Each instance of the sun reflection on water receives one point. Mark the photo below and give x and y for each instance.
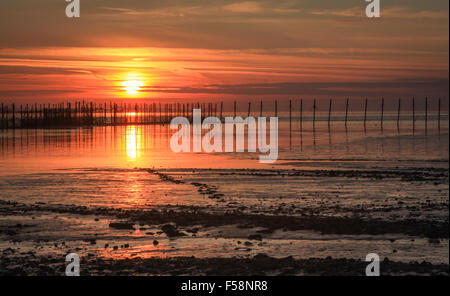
(133, 143)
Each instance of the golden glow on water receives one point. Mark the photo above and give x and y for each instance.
(146, 146)
(133, 143)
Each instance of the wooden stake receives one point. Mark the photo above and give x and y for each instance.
(314, 113)
(260, 108)
(301, 114)
(329, 112)
(290, 116)
(3, 115)
(13, 115)
(365, 112)
(439, 114)
(426, 112)
(346, 112)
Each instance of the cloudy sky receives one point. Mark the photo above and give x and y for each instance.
(223, 49)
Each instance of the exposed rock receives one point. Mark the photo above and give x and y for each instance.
(255, 237)
(121, 225)
(171, 231)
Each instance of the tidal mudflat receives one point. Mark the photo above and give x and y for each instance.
(117, 197)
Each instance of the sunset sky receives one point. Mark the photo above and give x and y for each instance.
(222, 49)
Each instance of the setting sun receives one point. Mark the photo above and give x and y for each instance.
(246, 145)
(132, 87)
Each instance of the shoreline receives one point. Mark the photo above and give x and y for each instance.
(195, 216)
(259, 265)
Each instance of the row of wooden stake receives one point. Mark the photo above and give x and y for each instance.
(93, 114)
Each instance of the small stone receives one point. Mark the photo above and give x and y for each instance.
(171, 231)
(255, 237)
(121, 225)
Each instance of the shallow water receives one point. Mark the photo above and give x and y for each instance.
(107, 167)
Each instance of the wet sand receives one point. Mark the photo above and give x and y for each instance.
(261, 265)
(119, 241)
(116, 197)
